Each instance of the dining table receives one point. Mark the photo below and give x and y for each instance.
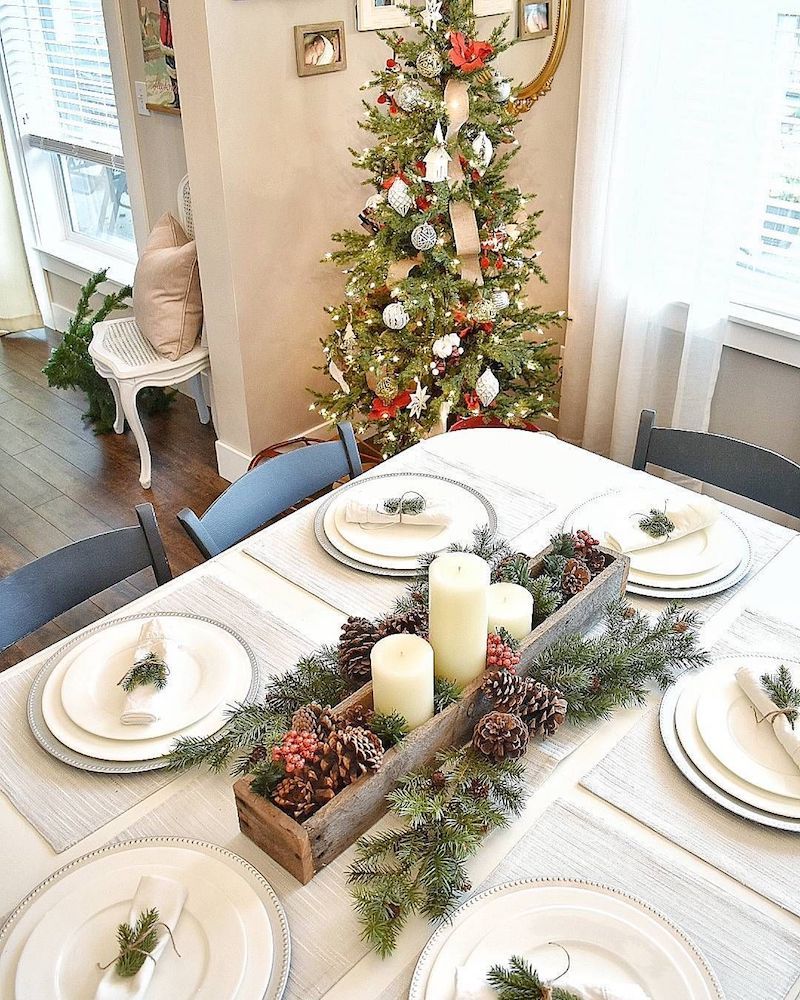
(678, 868)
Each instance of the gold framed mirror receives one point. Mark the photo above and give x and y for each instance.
(529, 94)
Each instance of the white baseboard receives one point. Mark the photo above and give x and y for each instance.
(231, 462)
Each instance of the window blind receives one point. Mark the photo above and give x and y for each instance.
(56, 57)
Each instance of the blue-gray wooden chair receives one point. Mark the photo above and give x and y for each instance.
(35, 594)
(270, 489)
(736, 466)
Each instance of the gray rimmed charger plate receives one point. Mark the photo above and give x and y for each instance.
(46, 739)
(690, 771)
(330, 548)
(279, 975)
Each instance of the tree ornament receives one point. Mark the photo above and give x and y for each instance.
(387, 387)
(487, 387)
(444, 346)
(408, 96)
(502, 87)
(395, 316)
(387, 410)
(432, 14)
(423, 237)
(472, 403)
(483, 311)
(501, 736)
(399, 197)
(483, 149)
(419, 400)
(437, 158)
(467, 55)
(429, 63)
(501, 298)
(337, 375)
(358, 637)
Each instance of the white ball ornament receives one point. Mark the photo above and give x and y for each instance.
(484, 311)
(483, 149)
(408, 96)
(399, 197)
(429, 63)
(502, 88)
(423, 237)
(374, 201)
(501, 298)
(487, 387)
(446, 345)
(395, 316)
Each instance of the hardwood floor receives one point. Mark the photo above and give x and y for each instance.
(59, 482)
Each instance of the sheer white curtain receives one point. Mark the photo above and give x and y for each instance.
(674, 98)
(18, 308)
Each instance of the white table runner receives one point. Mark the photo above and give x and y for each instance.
(639, 777)
(567, 842)
(65, 804)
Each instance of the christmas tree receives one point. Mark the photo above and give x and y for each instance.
(435, 324)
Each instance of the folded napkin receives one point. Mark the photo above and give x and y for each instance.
(472, 985)
(394, 510)
(749, 680)
(142, 705)
(168, 897)
(688, 514)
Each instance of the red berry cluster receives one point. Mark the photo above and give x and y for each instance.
(584, 543)
(296, 750)
(499, 653)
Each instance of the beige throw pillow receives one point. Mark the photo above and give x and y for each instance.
(166, 290)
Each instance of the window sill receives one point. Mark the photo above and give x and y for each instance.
(77, 263)
(765, 334)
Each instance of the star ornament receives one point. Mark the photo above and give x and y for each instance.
(432, 14)
(419, 401)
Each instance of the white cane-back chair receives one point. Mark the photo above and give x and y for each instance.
(129, 362)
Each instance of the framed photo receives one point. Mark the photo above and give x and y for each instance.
(320, 48)
(372, 15)
(161, 78)
(535, 19)
(483, 8)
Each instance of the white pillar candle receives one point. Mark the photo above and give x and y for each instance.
(511, 608)
(402, 678)
(459, 615)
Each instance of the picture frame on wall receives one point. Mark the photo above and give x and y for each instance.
(377, 15)
(320, 48)
(160, 74)
(535, 20)
(484, 8)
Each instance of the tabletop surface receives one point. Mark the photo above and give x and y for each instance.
(565, 476)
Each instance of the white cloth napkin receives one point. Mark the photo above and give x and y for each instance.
(360, 512)
(142, 705)
(168, 897)
(749, 680)
(688, 514)
(471, 985)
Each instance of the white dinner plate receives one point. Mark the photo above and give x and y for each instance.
(705, 761)
(240, 675)
(233, 879)
(729, 728)
(198, 680)
(61, 957)
(407, 564)
(728, 564)
(610, 937)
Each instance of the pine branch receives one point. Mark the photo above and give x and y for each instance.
(149, 670)
(445, 693)
(781, 689)
(136, 943)
(520, 981)
(315, 678)
(390, 728)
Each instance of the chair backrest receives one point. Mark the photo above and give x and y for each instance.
(185, 207)
(52, 584)
(269, 490)
(736, 466)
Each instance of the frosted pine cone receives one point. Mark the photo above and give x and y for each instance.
(358, 637)
(501, 736)
(412, 622)
(575, 577)
(295, 796)
(505, 689)
(543, 710)
(313, 718)
(349, 753)
(355, 715)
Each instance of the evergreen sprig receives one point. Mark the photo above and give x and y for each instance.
(247, 726)
(420, 868)
(315, 678)
(656, 524)
(137, 942)
(150, 669)
(520, 981)
(781, 689)
(445, 692)
(390, 728)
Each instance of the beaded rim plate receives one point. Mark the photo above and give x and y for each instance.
(431, 949)
(279, 975)
(57, 749)
(330, 548)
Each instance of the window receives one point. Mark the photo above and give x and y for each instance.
(768, 265)
(58, 78)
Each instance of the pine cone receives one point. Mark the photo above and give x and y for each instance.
(541, 709)
(313, 718)
(501, 736)
(575, 577)
(349, 753)
(295, 796)
(505, 690)
(411, 622)
(355, 715)
(595, 560)
(358, 637)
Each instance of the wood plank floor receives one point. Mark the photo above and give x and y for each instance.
(59, 482)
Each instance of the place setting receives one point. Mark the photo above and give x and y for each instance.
(167, 918)
(681, 545)
(732, 729)
(116, 699)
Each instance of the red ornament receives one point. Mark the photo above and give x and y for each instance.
(467, 55)
(421, 169)
(472, 403)
(390, 180)
(423, 204)
(499, 263)
(393, 109)
(381, 410)
(382, 98)
(391, 63)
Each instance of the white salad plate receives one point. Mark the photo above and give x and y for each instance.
(330, 526)
(198, 653)
(67, 742)
(610, 937)
(232, 934)
(724, 568)
(730, 729)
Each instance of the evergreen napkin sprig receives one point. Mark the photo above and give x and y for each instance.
(137, 942)
(656, 524)
(149, 669)
(411, 504)
(783, 692)
(520, 981)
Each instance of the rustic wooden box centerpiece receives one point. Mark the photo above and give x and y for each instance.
(305, 848)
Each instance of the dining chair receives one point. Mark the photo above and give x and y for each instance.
(36, 593)
(270, 489)
(730, 464)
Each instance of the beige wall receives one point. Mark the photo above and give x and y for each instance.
(271, 179)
